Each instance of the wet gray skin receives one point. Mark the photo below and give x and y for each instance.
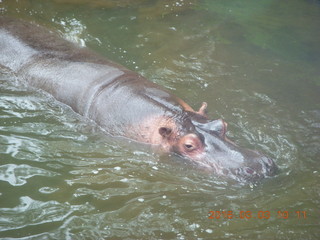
(123, 103)
(226, 158)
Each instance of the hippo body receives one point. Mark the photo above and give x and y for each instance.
(123, 102)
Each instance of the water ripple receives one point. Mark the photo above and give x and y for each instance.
(33, 212)
(17, 175)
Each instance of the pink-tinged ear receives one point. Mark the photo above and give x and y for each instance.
(165, 132)
(202, 109)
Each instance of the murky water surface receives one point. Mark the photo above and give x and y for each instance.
(256, 63)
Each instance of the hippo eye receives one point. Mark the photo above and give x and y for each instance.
(189, 146)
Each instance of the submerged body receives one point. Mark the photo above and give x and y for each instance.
(122, 102)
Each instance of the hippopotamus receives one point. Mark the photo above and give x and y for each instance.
(124, 103)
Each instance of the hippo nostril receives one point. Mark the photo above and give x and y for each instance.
(245, 171)
(249, 171)
(269, 166)
(270, 162)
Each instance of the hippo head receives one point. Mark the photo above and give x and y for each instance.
(204, 143)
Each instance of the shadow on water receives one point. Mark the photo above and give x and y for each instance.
(256, 63)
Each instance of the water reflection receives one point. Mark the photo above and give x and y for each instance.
(31, 212)
(17, 175)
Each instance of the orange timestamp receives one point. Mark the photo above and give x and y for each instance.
(256, 215)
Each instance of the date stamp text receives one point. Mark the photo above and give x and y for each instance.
(257, 214)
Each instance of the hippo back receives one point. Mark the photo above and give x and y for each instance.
(108, 93)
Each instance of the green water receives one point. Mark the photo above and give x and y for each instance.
(256, 63)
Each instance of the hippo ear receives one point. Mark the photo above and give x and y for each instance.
(203, 109)
(165, 131)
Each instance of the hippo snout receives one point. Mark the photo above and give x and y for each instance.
(256, 169)
(210, 149)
